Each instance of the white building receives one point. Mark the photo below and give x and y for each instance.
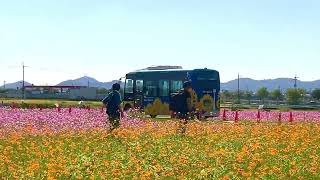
(83, 93)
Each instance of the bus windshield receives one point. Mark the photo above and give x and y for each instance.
(208, 84)
(207, 76)
(208, 80)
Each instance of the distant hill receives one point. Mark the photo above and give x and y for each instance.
(16, 85)
(85, 81)
(245, 84)
(271, 84)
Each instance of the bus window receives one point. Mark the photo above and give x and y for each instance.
(139, 86)
(151, 88)
(129, 86)
(163, 88)
(176, 86)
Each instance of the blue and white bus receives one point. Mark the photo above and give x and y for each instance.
(145, 86)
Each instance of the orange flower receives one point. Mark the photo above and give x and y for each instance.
(34, 166)
(273, 151)
(226, 177)
(116, 172)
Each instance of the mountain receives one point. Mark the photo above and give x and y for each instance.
(245, 84)
(271, 84)
(87, 81)
(16, 85)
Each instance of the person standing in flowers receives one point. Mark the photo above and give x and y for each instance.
(113, 105)
(181, 106)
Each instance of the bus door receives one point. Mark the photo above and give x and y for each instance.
(138, 98)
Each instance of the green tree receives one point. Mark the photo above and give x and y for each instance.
(3, 90)
(248, 95)
(316, 94)
(226, 95)
(276, 95)
(263, 93)
(238, 96)
(102, 91)
(295, 96)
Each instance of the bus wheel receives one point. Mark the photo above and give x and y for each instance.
(173, 115)
(200, 117)
(127, 107)
(153, 116)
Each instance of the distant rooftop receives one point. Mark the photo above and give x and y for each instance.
(51, 87)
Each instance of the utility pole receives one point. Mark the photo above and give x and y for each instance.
(23, 85)
(238, 88)
(295, 81)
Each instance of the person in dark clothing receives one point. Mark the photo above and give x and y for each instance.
(184, 107)
(184, 102)
(113, 105)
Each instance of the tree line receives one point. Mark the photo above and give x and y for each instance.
(293, 96)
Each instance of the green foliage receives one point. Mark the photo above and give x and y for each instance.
(27, 104)
(276, 94)
(235, 107)
(157, 108)
(248, 95)
(284, 109)
(316, 94)
(263, 93)
(295, 96)
(102, 91)
(226, 95)
(43, 105)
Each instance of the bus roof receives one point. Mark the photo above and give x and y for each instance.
(166, 70)
(169, 70)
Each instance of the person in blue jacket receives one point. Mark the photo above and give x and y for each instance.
(113, 105)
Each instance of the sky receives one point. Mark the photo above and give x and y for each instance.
(105, 39)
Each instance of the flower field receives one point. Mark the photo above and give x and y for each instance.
(48, 144)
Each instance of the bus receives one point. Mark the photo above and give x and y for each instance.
(143, 87)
